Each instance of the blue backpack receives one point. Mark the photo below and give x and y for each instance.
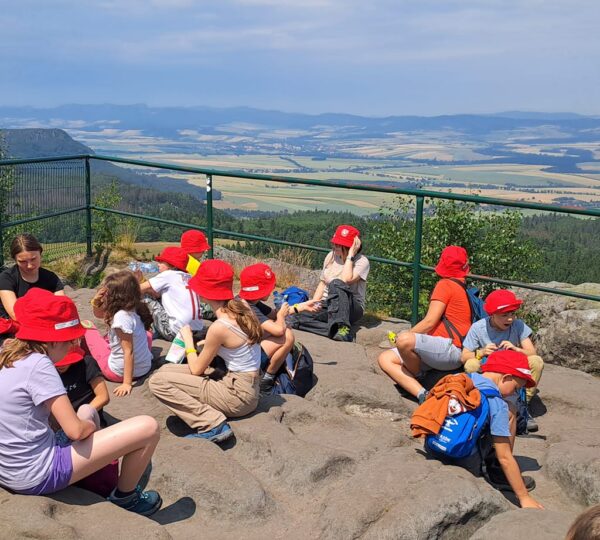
(292, 295)
(295, 375)
(459, 435)
(476, 305)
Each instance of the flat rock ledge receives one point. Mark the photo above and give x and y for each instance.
(338, 464)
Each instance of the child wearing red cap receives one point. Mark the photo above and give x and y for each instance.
(502, 330)
(435, 342)
(195, 244)
(257, 283)
(340, 296)
(190, 390)
(31, 460)
(83, 381)
(505, 371)
(125, 353)
(171, 302)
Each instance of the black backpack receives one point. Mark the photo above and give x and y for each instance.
(296, 374)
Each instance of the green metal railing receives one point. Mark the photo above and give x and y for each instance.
(419, 195)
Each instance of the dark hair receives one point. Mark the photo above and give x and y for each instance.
(24, 242)
(123, 292)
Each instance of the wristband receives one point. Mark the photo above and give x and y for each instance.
(188, 351)
(478, 354)
(295, 308)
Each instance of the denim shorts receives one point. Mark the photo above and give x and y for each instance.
(59, 476)
(437, 353)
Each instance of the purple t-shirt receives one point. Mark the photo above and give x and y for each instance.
(26, 440)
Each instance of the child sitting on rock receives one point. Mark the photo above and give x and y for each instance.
(505, 371)
(502, 330)
(32, 461)
(257, 282)
(83, 381)
(202, 402)
(178, 305)
(125, 353)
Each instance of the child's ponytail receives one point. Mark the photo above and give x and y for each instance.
(245, 318)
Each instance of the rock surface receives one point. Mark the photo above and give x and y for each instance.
(338, 464)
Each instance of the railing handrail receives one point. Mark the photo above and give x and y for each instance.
(419, 194)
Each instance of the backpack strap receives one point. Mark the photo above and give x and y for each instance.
(450, 328)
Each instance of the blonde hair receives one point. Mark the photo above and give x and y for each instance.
(246, 319)
(16, 349)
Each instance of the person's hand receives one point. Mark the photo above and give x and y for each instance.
(123, 390)
(98, 298)
(354, 247)
(283, 311)
(529, 502)
(508, 345)
(186, 332)
(311, 306)
(489, 349)
(138, 275)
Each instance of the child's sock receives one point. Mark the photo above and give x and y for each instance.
(422, 395)
(269, 376)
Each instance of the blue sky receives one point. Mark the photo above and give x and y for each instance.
(371, 57)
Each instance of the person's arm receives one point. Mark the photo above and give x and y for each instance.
(198, 363)
(60, 293)
(76, 429)
(8, 299)
(127, 346)
(510, 467)
(146, 288)
(350, 274)
(277, 327)
(102, 397)
(434, 316)
(311, 306)
(319, 291)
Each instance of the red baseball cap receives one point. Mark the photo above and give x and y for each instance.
(257, 280)
(193, 241)
(344, 235)
(75, 355)
(501, 301)
(453, 263)
(510, 363)
(44, 316)
(213, 280)
(174, 256)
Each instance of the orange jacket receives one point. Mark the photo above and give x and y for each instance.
(429, 416)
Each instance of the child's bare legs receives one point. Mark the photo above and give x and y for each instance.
(135, 439)
(277, 349)
(394, 366)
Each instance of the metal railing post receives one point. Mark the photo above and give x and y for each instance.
(1, 240)
(209, 215)
(88, 208)
(416, 287)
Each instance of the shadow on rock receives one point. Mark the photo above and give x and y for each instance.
(180, 510)
(528, 464)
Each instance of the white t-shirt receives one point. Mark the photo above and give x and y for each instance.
(180, 302)
(333, 268)
(129, 322)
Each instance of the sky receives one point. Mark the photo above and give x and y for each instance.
(368, 57)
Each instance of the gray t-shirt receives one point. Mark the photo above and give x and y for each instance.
(260, 309)
(333, 268)
(26, 440)
(482, 333)
(499, 426)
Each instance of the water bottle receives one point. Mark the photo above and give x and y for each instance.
(149, 267)
(133, 266)
(176, 352)
(278, 299)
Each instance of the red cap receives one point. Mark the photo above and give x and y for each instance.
(510, 363)
(213, 280)
(501, 301)
(75, 355)
(345, 235)
(193, 241)
(44, 316)
(174, 256)
(257, 280)
(453, 263)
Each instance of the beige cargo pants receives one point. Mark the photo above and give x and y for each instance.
(204, 403)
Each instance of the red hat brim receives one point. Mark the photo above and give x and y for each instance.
(72, 357)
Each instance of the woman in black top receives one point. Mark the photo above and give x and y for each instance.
(25, 274)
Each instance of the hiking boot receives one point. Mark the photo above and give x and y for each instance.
(266, 385)
(532, 426)
(343, 334)
(498, 480)
(217, 435)
(141, 502)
